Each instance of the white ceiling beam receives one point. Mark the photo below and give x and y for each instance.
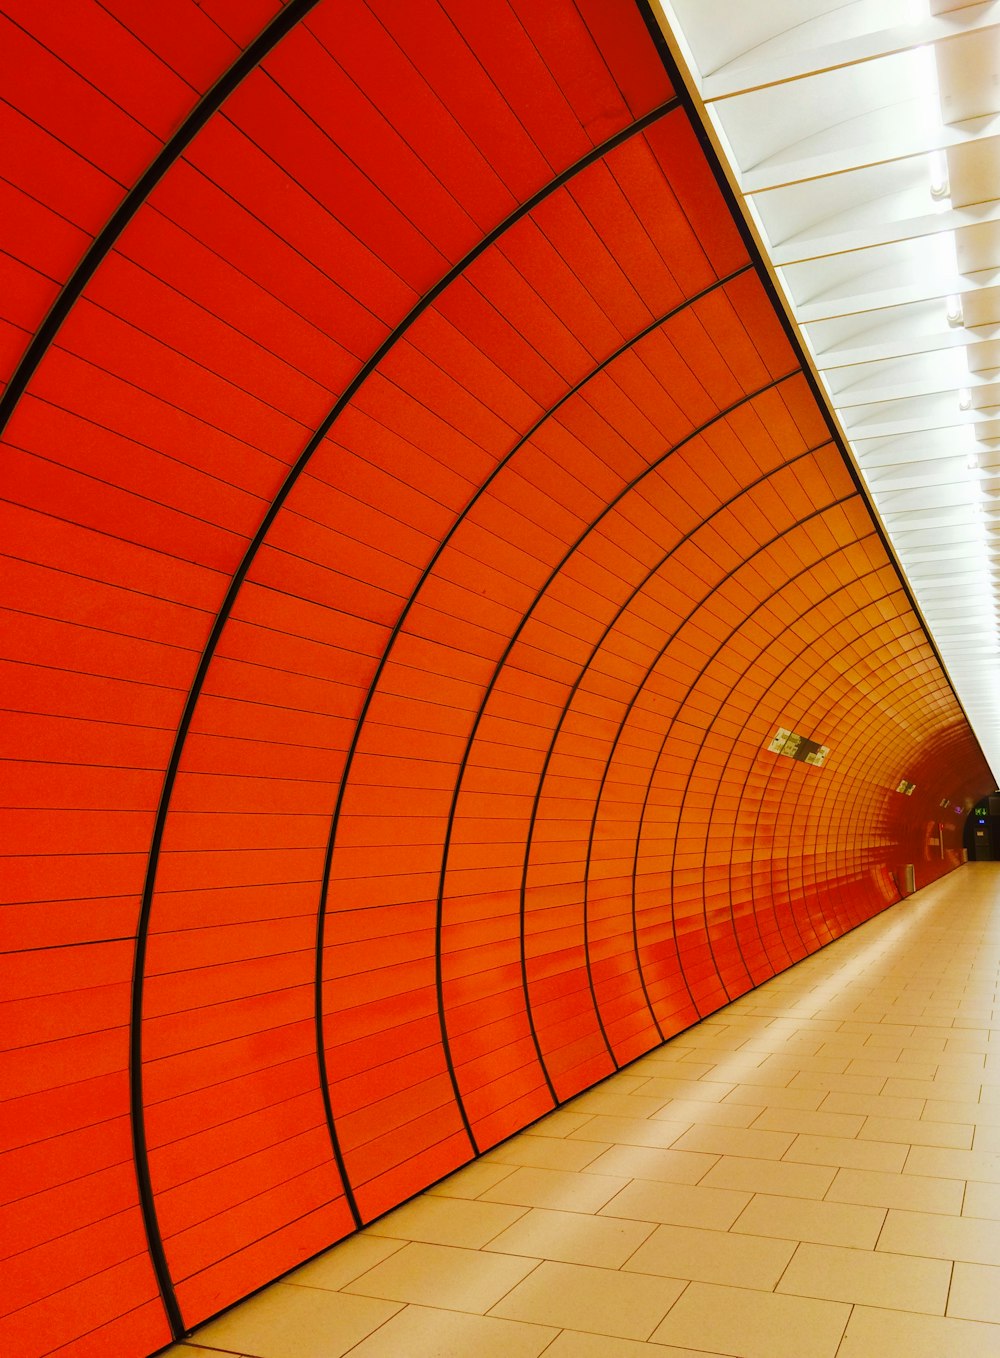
(799, 63)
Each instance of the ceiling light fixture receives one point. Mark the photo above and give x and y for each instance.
(940, 185)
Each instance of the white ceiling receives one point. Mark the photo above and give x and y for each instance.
(864, 138)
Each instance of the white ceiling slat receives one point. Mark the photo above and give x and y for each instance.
(865, 140)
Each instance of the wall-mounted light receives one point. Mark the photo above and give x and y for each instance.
(940, 186)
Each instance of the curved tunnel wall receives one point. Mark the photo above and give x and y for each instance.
(417, 525)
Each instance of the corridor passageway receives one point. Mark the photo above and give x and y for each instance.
(811, 1172)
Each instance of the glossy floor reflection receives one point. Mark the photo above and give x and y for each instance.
(812, 1172)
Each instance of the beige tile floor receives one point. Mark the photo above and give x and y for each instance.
(812, 1172)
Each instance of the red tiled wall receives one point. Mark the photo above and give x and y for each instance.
(416, 526)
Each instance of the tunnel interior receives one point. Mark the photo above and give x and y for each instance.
(451, 651)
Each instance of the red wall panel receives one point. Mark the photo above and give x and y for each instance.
(417, 523)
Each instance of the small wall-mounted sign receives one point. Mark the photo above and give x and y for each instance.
(797, 747)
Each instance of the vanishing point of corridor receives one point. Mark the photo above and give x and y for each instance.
(811, 1172)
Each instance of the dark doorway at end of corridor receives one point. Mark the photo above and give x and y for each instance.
(982, 830)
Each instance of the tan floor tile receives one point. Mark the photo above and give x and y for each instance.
(677, 1204)
(626, 1081)
(976, 1114)
(546, 1152)
(915, 1132)
(833, 1150)
(697, 1063)
(975, 1294)
(447, 1221)
(649, 1162)
(911, 1192)
(875, 1106)
(557, 1123)
(888, 1280)
(735, 1141)
(802, 1120)
(941, 1029)
(857, 1048)
(423, 1332)
(605, 1100)
(970, 1062)
(845, 1084)
(575, 1344)
(805, 1044)
(652, 1062)
(714, 1037)
(443, 1276)
(903, 1069)
(755, 1096)
(599, 1300)
(983, 1166)
(770, 1176)
(565, 1191)
(986, 1139)
(982, 1200)
(872, 1332)
(296, 1322)
(471, 1181)
(866, 1029)
(973, 1240)
(627, 1131)
(344, 1262)
(712, 1256)
(963, 1090)
(969, 1041)
(755, 1324)
(818, 1065)
(691, 1113)
(704, 1092)
(895, 1037)
(573, 1238)
(757, 1077)
(823, 1223)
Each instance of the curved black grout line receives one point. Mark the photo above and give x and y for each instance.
(756, 822)
(850, 818)
(793, 915)
(730, 691)
(251, 57)
(411, 601)
(823, 404)
(785, 534)
(656, 763)
(625, 347)
(807, 950)
(198, 682)
(806, 570)
(585, 668)
(44, 337)
(630, 344)
(719, 415)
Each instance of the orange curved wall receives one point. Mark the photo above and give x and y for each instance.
(417, 524)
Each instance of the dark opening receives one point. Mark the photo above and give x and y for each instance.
(982, 829)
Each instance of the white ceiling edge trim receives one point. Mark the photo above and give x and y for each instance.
(864, 255)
